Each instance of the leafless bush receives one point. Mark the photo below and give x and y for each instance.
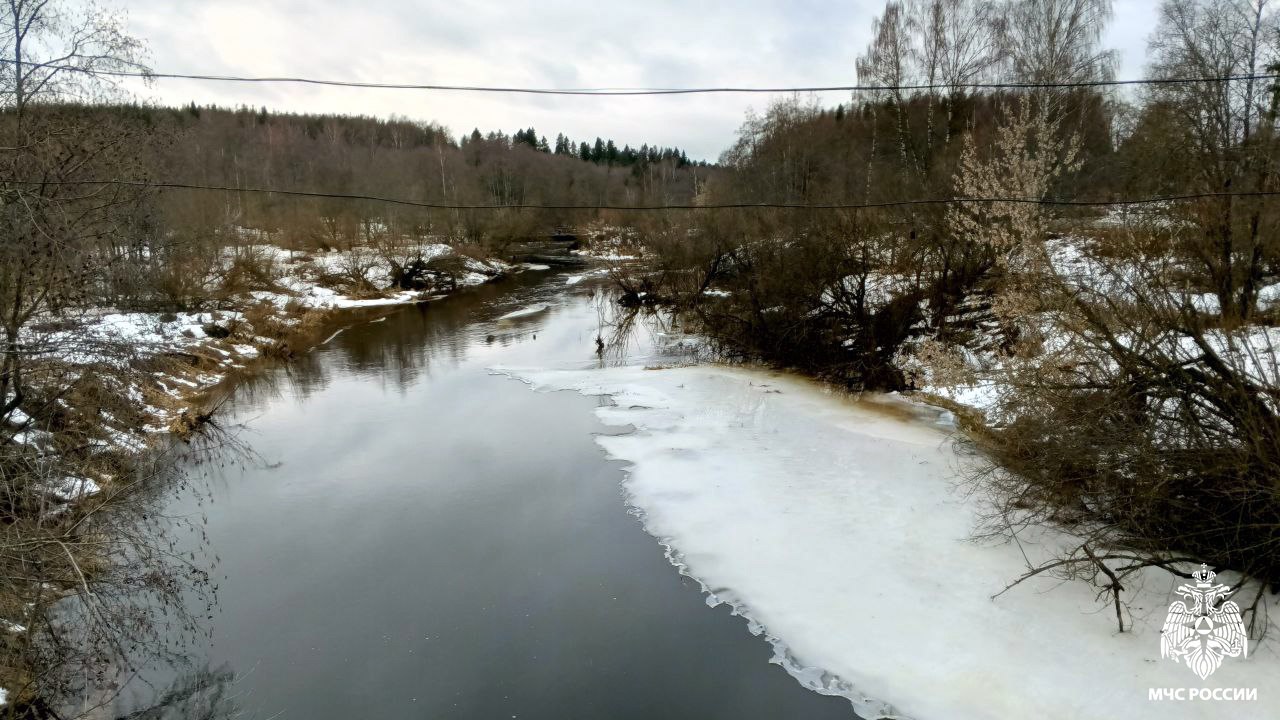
(1132, 415)
(94, 582)
(1146, 432)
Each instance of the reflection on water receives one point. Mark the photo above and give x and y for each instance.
(206, 694)
(424, 538)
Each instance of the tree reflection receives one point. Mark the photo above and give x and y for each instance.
(137, 591)
(206, 694)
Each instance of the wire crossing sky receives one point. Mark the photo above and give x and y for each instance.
(1061, 202)
(659, 44)
(614, 92)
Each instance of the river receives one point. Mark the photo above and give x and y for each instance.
(422, 538)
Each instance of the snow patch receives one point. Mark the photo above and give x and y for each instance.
(74, 488)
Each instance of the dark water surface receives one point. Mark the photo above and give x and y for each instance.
(426, 539)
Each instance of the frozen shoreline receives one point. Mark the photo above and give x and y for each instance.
(835, 527)
(191, 353)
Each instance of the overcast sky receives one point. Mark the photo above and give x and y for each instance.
(548, 43)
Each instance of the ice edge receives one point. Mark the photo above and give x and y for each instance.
(817, 679)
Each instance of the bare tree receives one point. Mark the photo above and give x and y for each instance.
(1226, 131)
(56, 50)
(1055, 41)
(954, 41)
(81, 557)
(887, 59)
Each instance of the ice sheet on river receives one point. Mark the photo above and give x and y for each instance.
(836, 527)
(526, 312)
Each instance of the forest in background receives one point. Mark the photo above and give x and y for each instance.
(1114, 363)
(405, 160)
(169, 239)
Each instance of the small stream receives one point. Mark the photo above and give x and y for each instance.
(422, 538)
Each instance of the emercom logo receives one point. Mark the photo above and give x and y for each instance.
(1199, 630)
(1245, 694)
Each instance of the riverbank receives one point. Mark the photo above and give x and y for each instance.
(295, 300)
(842, 531)
(275, 302)
(109, 389)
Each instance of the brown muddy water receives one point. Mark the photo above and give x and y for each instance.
(422, 538)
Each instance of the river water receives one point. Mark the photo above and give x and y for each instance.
(423, 538)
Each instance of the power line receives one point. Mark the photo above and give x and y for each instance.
(657, 208)
(655, 91)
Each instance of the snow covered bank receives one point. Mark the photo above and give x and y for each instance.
(317, 279)
(980, 378)
(160, 363)
(835, 527)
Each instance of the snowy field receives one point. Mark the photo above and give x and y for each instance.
(837, 528)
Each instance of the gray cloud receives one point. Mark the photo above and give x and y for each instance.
(551, 43)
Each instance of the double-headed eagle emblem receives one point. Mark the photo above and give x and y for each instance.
(1205, 628)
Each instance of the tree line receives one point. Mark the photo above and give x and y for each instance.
(392, 158)
(601, 152)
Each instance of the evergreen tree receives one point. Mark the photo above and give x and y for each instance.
(475, 135)
(584, 152)
(526, 137)
(597, 152)
(542, 145)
